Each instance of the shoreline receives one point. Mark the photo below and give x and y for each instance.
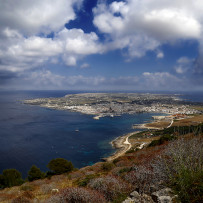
(122, 145)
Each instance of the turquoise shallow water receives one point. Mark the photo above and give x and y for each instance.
(34, 135)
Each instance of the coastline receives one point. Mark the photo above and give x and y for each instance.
(122, 145)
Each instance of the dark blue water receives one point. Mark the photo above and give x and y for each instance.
(192, 96)
(34, 135)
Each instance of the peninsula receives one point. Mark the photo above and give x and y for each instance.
(115, 104)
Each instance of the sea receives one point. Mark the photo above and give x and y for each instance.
(33, 135)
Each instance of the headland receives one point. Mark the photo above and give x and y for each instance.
(115, 104)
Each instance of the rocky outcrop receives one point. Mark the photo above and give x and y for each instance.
(135, 197)
(162, 196)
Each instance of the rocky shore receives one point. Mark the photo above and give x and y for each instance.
(122, 145)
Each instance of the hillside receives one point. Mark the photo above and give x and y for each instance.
(169, 165)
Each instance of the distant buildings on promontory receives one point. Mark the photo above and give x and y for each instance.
(115, 104)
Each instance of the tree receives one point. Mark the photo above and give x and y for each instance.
(2, 182)
(12, 177)
(60, 165)
(35, 173)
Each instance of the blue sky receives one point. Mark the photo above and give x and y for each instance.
(101, 45)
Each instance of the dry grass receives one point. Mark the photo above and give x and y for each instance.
(122, 171)
(158, 125)
(199, 108)
(194, 120)
(137, 142)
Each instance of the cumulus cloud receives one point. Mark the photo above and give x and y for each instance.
(162, 81)
(24, 44)
(32, 17)
(160, 55)
(84, 66)
(183, 64)
(48, 79)
(77, 42)
(146, 81)
(132, 25)
(144, 25)
(45, 78)
(27, 53)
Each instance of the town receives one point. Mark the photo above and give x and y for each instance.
(116, 104)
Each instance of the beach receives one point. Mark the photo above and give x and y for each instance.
(122, 145)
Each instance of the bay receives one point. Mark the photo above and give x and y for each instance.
(35, 135)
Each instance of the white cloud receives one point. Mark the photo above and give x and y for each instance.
(161, 81)
(147, 81)
(153, 22)
(31, 17)
(69, 60)
(45, 78)
(27, 53)
(78, 42)
(84, 66)
(23, 29)
(160, 55)
(183, 65)
(168, 24)
(132, 25)
(180, 69)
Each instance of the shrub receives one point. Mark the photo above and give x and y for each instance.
(28, 194)
(181, 166)
(80, 195)
(144, 176)
(110, 186)
(34, 173)
(21, 199)
(47, 188)
(161, 140)
(12, 177)
(120, 171)
(60, 165)
(131, 177)
(2, 182)
(26, 188)
(125, 169)
(87, 179)
(77, 174)
(107, 166)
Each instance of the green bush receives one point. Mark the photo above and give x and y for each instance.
(107, 166)
(87, 179)
(161, 140)
(124, 170)
(34, 173)
(120, 198)
(2, 182)
(115, 161)
(26, 188)
(11, 177)
(60, 165)
(181, 166)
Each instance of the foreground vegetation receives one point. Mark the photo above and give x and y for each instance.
(174, 160)
(12, 177)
